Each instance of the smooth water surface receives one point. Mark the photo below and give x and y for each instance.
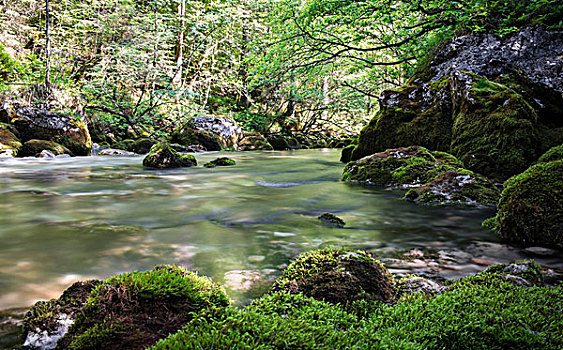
(64, 220)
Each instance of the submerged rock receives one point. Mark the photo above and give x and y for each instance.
(331, 220)
(530, 210)
(456, 187)
(163, 156)
(337, 276)
(223, 161)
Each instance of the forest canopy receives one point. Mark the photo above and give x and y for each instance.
(273, 65)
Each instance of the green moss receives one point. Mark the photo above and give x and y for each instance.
(337, 276)
(530, 210)
(347, 153)
(133, 310)
(254, 141)
(472, 316)
(223, 161)
(8, 140)
(401, 166)
(495, 130)
(164, 156)
(555, 153)
(331, 220)
(33, 148)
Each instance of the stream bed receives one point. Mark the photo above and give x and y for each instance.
(70, 219)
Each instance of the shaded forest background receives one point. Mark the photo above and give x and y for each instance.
(273, 65)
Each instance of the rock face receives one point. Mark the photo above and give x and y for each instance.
(32, 123)
(164, 156)
(496, 104)
(338, 276)
(530, 210)
(226, 128)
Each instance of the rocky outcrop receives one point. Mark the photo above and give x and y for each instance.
(164, 156)
(494, 103)
(32, 123)
(227, 129)
(530, 210)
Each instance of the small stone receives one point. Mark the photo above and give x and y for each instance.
(540, 251)
(46, 154)
(114, 152)
(332, 220)
(256, 258)
(482, 262)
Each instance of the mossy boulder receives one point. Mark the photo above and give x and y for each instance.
(164, 156)
(134, 310)
(39, 124)
(555, 153)
(400, 166)
(9, 143)
(338, 276)
(188, 136)
(223, 161)
(495, 130)
(530, 210)
(281, 143)
(347, 151)
(33, 148)
(456, 186)
(253, 141)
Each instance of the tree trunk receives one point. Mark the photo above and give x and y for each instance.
(47, 47)
(180, 47)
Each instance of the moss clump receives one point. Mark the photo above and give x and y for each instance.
(223, 161)
(164, 156)
(555, 153)
(401, 166)
(456, 187)
(8, 140)
(33, 148)
(495, 130)
(471, 316)
(337, 276)
(530, 210)
(134, 310)
(331, 220)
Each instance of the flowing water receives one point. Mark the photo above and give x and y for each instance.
(72, 219)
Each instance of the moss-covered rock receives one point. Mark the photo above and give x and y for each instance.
(338, 276)
(280, 142)
(223, 161)
(9, 143)
(346, 154)
(134, 310)
(163, 156)
(33, 123)
(456, 187)
(33, 148)
(530, 210)
(401, 166)
(188, 136)
(495, 130)
(555, 153)
(331, 220)
(253, 141)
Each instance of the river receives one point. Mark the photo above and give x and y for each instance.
(71, 219)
